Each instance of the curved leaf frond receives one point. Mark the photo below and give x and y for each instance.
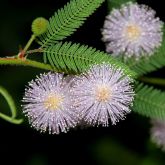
(76, 58)
(66, 20)
(149, 102)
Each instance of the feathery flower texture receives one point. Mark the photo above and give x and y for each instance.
(48, 104)
(158, 133)
(101, 93)
(132, 31)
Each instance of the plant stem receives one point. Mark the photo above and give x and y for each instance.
(9, 100)
(25, 62)
(153, 80)
(10, 119)
(12, 107)
(39, 50)
(29, 43)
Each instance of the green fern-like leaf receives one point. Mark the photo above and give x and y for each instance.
(149, 102)
(150, 64)
(66, 20)
(76, 58)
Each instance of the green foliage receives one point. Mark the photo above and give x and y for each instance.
(152, 63)
(149, 102)
(120, 154)
(12, 107)
(75, 58)
(66, 20)
(117, 3)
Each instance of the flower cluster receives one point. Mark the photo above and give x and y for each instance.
(132, 31)
(102, 93)
(158, 133)
(49, 104)
(55, 103)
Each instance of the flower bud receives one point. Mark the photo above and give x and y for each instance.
(39, 26)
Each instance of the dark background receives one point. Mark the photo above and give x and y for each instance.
(126, 143)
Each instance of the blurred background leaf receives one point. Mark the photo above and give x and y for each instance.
(117, 3)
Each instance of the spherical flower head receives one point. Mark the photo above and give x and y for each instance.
(102, 93)
(48, 104)
(39, 26)
(132, 31)
(158, 133)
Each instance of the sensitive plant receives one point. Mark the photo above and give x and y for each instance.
(86, 84)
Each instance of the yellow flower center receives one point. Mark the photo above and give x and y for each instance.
(102, 94)
(53, 102)
(133, 32)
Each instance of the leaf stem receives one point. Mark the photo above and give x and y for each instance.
(10, 119)
(29, 43)
(9, 100)
(25, 62)
(12, 107)
(39, 50)
(153, 80)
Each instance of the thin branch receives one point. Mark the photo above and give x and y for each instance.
(153, 80)
(25, 62)
(9, 100)
(10, 119)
